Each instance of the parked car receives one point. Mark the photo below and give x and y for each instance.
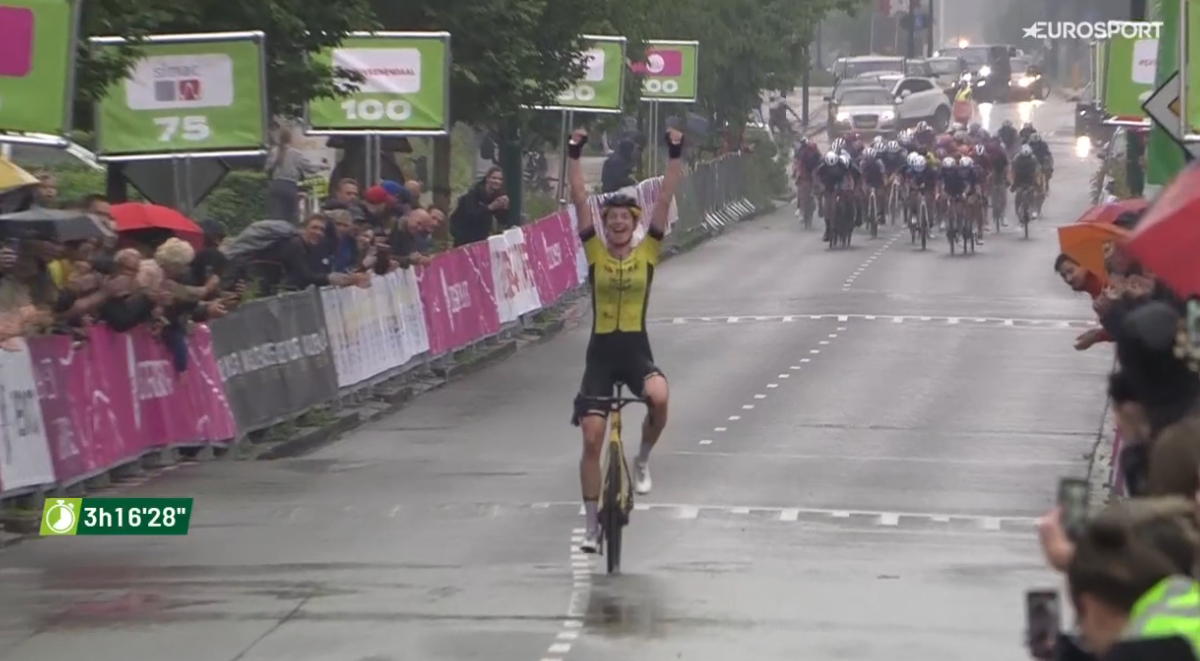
(948, 70)
(866, 110)
(914, 98)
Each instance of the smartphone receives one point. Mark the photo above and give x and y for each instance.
(1073, 502)
(1193, 324)
(1043, 621)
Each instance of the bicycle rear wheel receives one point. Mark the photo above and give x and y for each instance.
(873, 214)
(612, 519)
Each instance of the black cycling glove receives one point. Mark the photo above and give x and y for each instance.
(575, 149)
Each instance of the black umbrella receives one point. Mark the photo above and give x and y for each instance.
(50, 224)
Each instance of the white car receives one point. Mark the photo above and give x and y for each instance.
(921, 99)
(865, 110)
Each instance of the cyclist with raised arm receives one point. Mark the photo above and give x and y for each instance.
(619, 274)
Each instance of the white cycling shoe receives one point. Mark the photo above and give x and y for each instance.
(641, 481)
(591, 542)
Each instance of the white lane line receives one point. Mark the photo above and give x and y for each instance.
(889, 519)
(720, 428)
(747, 407)
(706, 441)
(987, 321)
(789, 515)
(581, 588)
(760, 396)
(772, 385)
(735, 418)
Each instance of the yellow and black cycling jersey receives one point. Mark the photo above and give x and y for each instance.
(620, 287)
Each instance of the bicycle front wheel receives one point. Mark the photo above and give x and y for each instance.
(611, 517)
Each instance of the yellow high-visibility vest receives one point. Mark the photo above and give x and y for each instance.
(964, 94)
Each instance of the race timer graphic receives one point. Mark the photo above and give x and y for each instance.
(68, 517)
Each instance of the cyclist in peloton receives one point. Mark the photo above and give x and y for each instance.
(619, 274)
(997, 161)
(874, 177)
(1008, 136)
(807, 160)
(1041, 151)
(830, 175)
(1025, 170)
(922, 178)
(1026, 131)
(958, 179)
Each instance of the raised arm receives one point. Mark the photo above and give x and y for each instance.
(662, 210)
(579, 192)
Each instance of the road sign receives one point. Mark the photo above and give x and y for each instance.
(1163, 109)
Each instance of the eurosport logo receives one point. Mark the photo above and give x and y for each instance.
(1094, 30)
(16, 42)
(167, 82)
(384, 70)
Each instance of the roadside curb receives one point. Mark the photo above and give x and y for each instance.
(1100, 466)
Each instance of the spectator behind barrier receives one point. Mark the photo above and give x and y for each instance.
(481, 209)
(1157, 395)
(404, 237)
(1131, 600)
(617, 172)
(286, 167)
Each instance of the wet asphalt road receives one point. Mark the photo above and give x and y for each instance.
(858, 445)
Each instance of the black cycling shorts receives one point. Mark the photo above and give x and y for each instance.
(614, 358)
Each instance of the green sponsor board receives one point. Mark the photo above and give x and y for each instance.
(1129, 76)
(405, 88)
(670, 71)
(602, 88)
(37, 65)
(1165, 158)
(190, 94)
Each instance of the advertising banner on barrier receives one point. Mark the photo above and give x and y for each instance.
(512, 279)
(456, 293)
(376, 329)
(550, 246)
(24, 451)
(274, 358)
(188, 94)
(111, 399)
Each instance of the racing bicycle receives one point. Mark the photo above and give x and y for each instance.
(895, 199)
(919, 225)
(616, 488)
(959, 225)
(1023, 203)
(806, 202)
(873, 213)
(999, 201)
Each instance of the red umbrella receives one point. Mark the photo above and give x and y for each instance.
(1167, 241)
(138, 216)
(1107, 213)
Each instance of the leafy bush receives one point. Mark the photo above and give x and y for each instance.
(241, 199)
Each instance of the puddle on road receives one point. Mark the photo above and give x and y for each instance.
(624, 606)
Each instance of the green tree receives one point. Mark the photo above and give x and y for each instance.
(506, 53)
(294, 30)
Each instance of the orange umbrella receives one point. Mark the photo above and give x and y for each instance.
(1107, 213)
(1086, 242)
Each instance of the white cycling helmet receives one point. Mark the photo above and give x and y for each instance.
(878, 140)
(948, 162)
(831, 158)
(980, 150)
(1026, 150)
(1035, 137)
(893, 146)
(965, 162)
(845, 158)
(916, 162)
(870, 153)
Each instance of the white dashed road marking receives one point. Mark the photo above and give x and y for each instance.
(898, 319)
(866, 263)
(581, 588)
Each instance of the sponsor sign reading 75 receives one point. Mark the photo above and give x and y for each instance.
(188, 94)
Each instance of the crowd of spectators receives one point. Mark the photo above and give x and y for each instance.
(167, 280)
(1130, 570)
